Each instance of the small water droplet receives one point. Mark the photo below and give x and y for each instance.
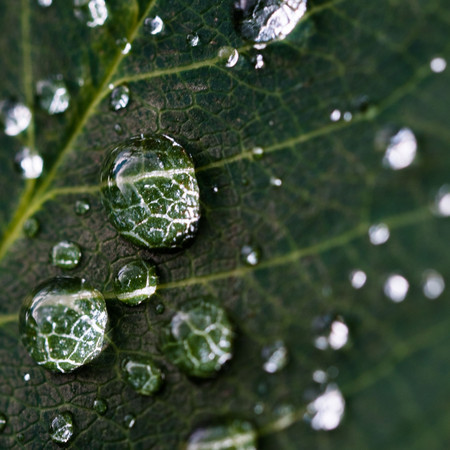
(267, 20)
(333, 332)
(320, 376)
(27, 377)
(433, 284)
(142, 374)
(159, 308)
(118, 129)
(92, 12)
(63, 324)
(66, 255)
(259, 61)
(348, 116)
(120, 97)
(45, 3)
(258, 409)
(236, 434)
(275, 181)
(193, 39)
(3, 422)
(257, 152)
(335, 115)
(358, 278)
(275, 356)
(396, 287)
(100, 406)
(20, 437)
(379, 234)
(438, 65)
(401, 150)
(129, 420)
(53, 95)
(250, 255)
(199, 340)
(29, 163)
(82, 207)
(31, 227)
(15, 117)
(126, 48)
(230, 54)
(215, 189)
(154, 25)
(441, 205)
(61, 429)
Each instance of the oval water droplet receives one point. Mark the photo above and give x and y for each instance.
(129, 420)
(159, 308)
(135, 282)
(27, 377)
(358, 278)
(332, 332)
(396, 288)
(433, 284)
(100, 406)
(66, 255)
(61, 429)
(401, 150)
(31, 227)
(150, 192)
(15, 117)
(335, 115)
(53, 95)
(3, 422)
(193, 39)
(124, 45)
(259, 61)
(45, 3)
(276, 182)
(142, 374)
(63, 324)
(250, 255)
(379, 234)
(257, 152)
(154, 25)
(320, 376)
(120, 97)
(232, 435)
(230, 54)
(199, 340)
(29, 163)
(82, 207)
(275, 356)
(118, 129)
(92, 12)
(267, 20)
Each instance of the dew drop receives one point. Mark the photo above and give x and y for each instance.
(275, 181)
(335, 115)
(120, 97)
(320, 376)
(66, 255)
(3, 422)
(118, 129)
(257, 152)
(259, 62)
(233, 435)
(100, 406)
(438, 65)
(154, 25)
(332, 333)
(401, 150)
(348, 116)
(15, 117)
(29, 163)
(230, 54)
(358, 278)
(129, 420)
(199, 340)
(31, 227)
(92, 12)
(193, 40)
(275, 356)
(27, 377)
(125, 45)
(379, 234)
(150, 192)
(61, 429)
(266, 20)
(433, 284)
(63, 324)
(142, 374)
(396, 287)
(159, 308)
(82, 207)
(45, 3)
(53, 95)
(441, 205)
(250, 255)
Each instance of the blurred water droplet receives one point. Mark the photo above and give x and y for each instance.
(358, 279)
(275, 181)
(441, 205)
(257, 152)
(15, 116)
(320, 376)
(82, 207)
(250, 255)
(61, 429)
(260, 46)
(433, 284)
(215, 189)
(160, 308)
(31, 227)
(438, 65)
(154, 25)
(348, 116)
(120, 97)
(142, 374)
(259, 62)
(53, 95)
(129, 420)
(118, 129)
(45, 3)
(230, 54)
(27, 377)
(335, 115)
(92, 12)
(275, 356)
(333, 333)
(193, 40)
(401, 150)
(20, 437)
(258, 408)
(66, 255)
(30, 163)
(396, 288)
(100, 406)
(379, 234)
(3, 422)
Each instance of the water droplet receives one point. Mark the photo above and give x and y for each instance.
(396, 287)
(438, 65)
(126, 46)
(433, 284)
(193, 40)
(348, 116)
(358, 279)
(31, 227)
(93, 12)
(150, 192)
(27, 377)
(257, 152)
(320, 376)
(53, 95)
(199, 340)
(3, 422)
(154, 25)
(15, 117)
(401, 150)
(135, 282)
(45, 3)
(335, 115)
(129, 420)
(258, 408)
(142, 374)
(61, 429)
(118, 129)
(236, 434)
(326, 411)
(120, 97)
(441, 205)
(259, 62)
(66, 255)
(30, 163)
(100, 406)
(379, 234)
(275, 356)
(267, 20)
(20, 437)
(63, 324)
(277, 182)
(230, 54)
(333, 333)
(250, 255)
(215, 189)
(82, 207)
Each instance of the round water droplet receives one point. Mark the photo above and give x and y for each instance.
(438, 65)
(150, 192)
(31, 227)
(29, 163)
(401, 150)
(332, 332)
(120, 97)
(441, 205)
(63, 324)
(266, 20)
(154, 25)
(199, 340)
(92, 12)
(27, 377)
(275, 356)
(250, 255)
(275, 181)
(82, 207)
(257, 152)
(193, 40)
(129, 420)
(61, 429)
(3, 422)
(230, 54)
(358, 279)
(433, 284)
(335, 115)
(100, 406)
(379, 234)
(396, 287)
(159, 308)
(53, 95)
(66, 255)
(142, 374)
(135, 282)
(232, 435)
(45, 3)
(15, 117)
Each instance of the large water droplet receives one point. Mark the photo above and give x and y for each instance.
(142, 374)
(31, 227)
(396, 287)
(61, 429)
(120, 97)
(379, 234)
(154, 25)
(438, 65)
(401, 150)
(135, 282)
(100, 406)
(15, 117)
(433, 284)
(3, 422)
(230, 54)
(93, 12)
(234, 435)
(53, 95)
(267, 20)
(66, 255)
(333, 333)
(63, 324)
(199, 340)
(276, 357)
(82, 207)
(150, 192)
(30, 163)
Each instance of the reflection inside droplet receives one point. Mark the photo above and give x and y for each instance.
(358, 279)
(401, 151)
(433, 284)
(16, 117)
(30, 163)
(396, 287)
(320, 376)
(93, 12)
(379, 234)
(231, 54)
(155, 25)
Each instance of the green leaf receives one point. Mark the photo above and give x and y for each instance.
(371, 59)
